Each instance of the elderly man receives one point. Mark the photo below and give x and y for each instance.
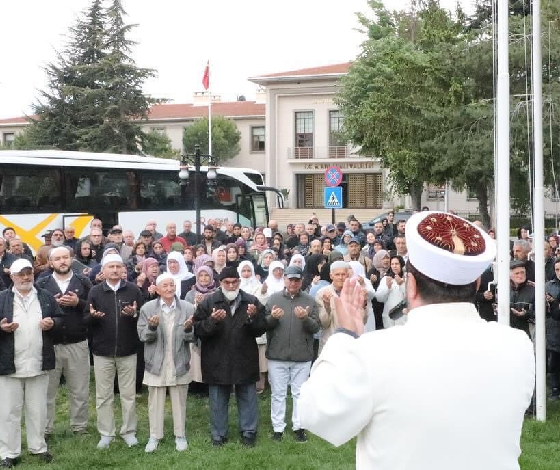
(151, 226)
(521, 250)
(9, 233)
(426, 382)
(171, 237)
(17, 249)
(97, 244)
(69, 237)
(111, 318)
(400, 247)
(71, 346)
(188, 235)
(28, 319)
(227, 323)
(292, 320)
(115, 236)
(522, 297)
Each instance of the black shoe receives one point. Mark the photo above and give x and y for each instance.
(248, 441)
(217, 442)
(8, 463)
(300, 436)
(277, 436)
(45, 457)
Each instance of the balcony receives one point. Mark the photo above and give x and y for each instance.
(314, 153)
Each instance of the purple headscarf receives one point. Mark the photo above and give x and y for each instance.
(210, 287)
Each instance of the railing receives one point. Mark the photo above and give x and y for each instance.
(306, 153)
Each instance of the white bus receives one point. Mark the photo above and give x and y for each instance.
(47, 189)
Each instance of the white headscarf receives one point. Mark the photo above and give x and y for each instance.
(297, 256)
(249, 284)
(357, 269)
(183, 271)
(273, 284)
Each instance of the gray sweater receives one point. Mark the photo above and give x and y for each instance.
(154, 339)
(290, 338)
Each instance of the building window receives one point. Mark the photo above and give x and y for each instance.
(8, 139)
(336, 120)
(304, 134)
(257, 139)
(435, 192)
(471, 194)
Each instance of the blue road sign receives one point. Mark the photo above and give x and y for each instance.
(333, 198)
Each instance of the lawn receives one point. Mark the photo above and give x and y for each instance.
(540, 443)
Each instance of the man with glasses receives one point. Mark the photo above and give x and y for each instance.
(292, 318)
(227, 323)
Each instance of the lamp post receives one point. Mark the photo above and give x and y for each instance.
(184, 175)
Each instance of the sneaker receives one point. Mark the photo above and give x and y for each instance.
(181, 444)
(151, 446)
(8, 462)
(45, 457)
(104, 442)
(130, 439)
(300, 436)
(277, 436)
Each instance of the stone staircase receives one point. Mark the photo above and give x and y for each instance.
(287, 216)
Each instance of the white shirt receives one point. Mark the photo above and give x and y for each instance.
(28, 338)
(447, 390)
(62, 283)
(168, 308)
(115, 288)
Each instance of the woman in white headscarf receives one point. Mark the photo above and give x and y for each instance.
(275, 280)
(177, 267)
(359, 273)
(250, 284)
(297, 260)
(219, 256)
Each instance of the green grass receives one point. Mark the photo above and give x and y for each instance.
(540, 444)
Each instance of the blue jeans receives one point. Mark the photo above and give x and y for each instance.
(247, 409)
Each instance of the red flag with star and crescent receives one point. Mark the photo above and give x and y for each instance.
(206, 77)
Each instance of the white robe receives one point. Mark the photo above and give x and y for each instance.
(447, 390)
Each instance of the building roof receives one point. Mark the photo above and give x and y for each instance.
(162, 112)
(231, 109)
(310, 73)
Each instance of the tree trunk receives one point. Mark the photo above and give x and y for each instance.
(482, 196)
(416, 195)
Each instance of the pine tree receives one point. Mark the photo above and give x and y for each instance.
(94, 99)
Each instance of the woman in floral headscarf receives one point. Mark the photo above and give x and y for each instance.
(146, 281)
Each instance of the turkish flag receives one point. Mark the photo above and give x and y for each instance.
(206, 77)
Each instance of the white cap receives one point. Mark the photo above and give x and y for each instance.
(163, 277)
(447, 248)
(111, 258)
(19, 265)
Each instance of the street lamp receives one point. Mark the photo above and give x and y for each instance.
(184, 175)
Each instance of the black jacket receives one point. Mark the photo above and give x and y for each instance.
(113, 335)
(229, 351)
(49, 308)
(74, 330)
(5, 263)
(522, 297)
(485, 307)
(190, 238)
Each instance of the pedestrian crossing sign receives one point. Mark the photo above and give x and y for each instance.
(333, 198)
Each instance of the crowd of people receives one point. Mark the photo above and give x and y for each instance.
(229, 310)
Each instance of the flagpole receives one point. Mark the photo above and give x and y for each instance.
(209, 115)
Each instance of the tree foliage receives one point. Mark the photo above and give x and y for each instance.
(94, 99)
(157, 144)
(225, 137)
(421, 96)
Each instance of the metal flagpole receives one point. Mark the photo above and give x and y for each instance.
(209, 115)
(538, 215)
(502, 171)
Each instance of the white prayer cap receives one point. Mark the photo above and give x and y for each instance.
(447, 248)
(163, 277)
(19, 265)
(111, 258)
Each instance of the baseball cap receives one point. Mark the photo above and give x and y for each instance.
(116, 230)
(341, 226)
(293, 272)
(516, 263)
(354, 240)
(146, 233)
(19, 265)
(330, 228)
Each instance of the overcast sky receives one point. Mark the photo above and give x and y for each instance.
(176, 37)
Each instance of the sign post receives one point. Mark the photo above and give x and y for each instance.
(333, 192)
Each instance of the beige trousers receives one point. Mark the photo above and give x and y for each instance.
(72, 360)
(156, 409)
(23, 394)
(104, 369)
